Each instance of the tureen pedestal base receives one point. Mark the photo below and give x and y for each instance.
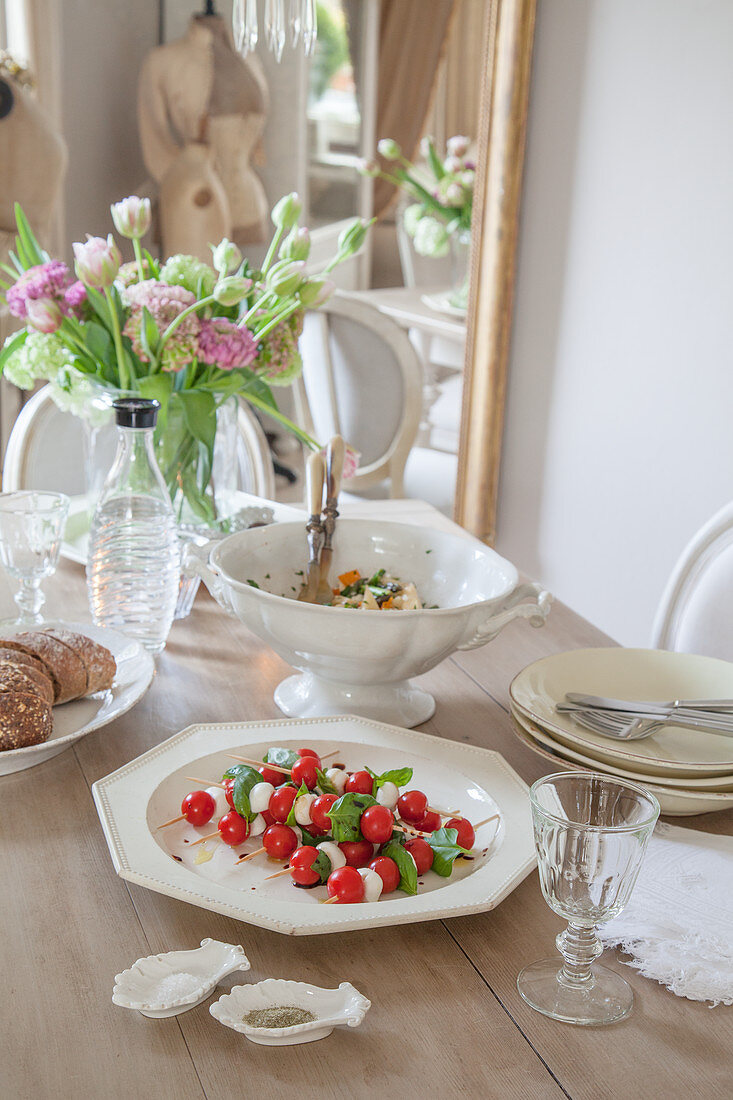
(399, 704)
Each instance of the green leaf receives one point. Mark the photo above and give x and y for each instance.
(435, 162)
(283, 758)
(199, 413)
(158, 387)
(12, 344)
(234, 771)
(308, 840)
(405, 865)
(325, 783)
(152, 264)
(399, 776)
(445, 851)
(27, 240)
(99, 304)
(243, 783)
(345, 815)
(149, 335)
(290, 819)
(99, 343)
(322, 864)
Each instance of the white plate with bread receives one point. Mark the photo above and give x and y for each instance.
(61, 682)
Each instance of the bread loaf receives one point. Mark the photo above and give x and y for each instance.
(18, 677)
(24, 720)
(99, 664)
(64, 666)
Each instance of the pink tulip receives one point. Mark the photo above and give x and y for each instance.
(457, 146)
(44, 314)
(132, 217)
(97, 261)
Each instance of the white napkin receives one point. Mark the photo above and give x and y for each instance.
(678, 925)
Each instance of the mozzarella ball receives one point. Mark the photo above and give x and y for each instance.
(339, 777)
(221, 805)
(387, 795)
(334, 853)
(259, 797)
(302, 808)
(257, 826)
(372, 884)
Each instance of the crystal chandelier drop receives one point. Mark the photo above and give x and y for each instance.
(300, 27)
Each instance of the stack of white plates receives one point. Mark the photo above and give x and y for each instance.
(690, 771)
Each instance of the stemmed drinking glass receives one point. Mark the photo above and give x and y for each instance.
(591, 832)
(31, 528)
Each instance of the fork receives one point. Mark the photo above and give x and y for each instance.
(641, 727)
(713, 705)
(617, 716)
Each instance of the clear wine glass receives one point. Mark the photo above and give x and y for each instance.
(591, 832)
(31, 528)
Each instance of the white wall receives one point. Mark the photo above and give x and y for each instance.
(618, 441)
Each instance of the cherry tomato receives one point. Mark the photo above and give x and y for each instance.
(198, 807)
(268, 818)
(304, 771)
(269, 775)
(319, 811)
(312, 753)
(229, 791)
(346, 884)
(429, 823)
(422, 853)
(315, 831)
(281, 802)
(279, 841)
(301, 866)
(358, 852)
(233, 828)
(377, 824)
(360, 783)
(466, 836)
(388, 871)
(412, 806)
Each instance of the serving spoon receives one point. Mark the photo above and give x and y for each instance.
(314, 476)
(335, 454)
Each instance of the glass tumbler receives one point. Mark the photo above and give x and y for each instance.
(31, 529)
(591, 832)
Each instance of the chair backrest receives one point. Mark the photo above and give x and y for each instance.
(48, 449)
(695, 614)
(361, 378)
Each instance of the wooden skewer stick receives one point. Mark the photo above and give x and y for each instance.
(258, 763)
(330, 901)
(328, 755)
(209, 836)
(411, 829)
(277, 874)
(172, 821)
(206, 782)
(445, 813)
(243, 859)
(494, 817)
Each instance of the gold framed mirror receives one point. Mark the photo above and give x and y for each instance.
(501, 140)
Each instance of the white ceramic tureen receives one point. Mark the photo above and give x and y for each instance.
(361, 662)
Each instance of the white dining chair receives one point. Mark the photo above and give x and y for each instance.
(362, 378)
(46, 450)
(695, 614)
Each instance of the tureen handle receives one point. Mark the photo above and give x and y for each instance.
(536, 609)
(196, 564)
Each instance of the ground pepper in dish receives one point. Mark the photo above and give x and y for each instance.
(278, 1016)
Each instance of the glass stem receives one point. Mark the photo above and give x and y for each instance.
(579, 948)
(30, 600)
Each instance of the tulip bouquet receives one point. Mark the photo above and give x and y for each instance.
(191, 335)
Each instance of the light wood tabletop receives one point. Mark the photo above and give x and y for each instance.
(446, 1019)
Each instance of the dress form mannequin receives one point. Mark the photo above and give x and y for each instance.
(201, 111)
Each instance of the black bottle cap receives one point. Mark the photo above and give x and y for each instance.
(136, 412)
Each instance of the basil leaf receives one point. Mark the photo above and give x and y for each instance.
(325, 783)
(405, 865)
(445, 851)
(284, 758)
(399, 776)
(308, 840)
(243, 784)
(290, 819)
(322, 864)
(345, 815)
(235, 770)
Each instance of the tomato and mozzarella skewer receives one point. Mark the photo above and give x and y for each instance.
(197, 808)
(373, 884)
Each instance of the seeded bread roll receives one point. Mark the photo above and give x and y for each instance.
(98, 662)
(26, 679)
(24, 720)
(65, 668)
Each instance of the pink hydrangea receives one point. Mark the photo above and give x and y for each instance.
(51, 281)
(225, 345)
(164, 304)
(279, 359)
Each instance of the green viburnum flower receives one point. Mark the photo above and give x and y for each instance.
(189, 272)
(41, 356)
(73, 392)
(431, 238)
(411, 217)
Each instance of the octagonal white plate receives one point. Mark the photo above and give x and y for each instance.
(134, 800)
(74, 720)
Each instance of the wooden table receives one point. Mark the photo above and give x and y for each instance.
(446, 1020)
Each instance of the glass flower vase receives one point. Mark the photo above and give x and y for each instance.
(460, 244)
